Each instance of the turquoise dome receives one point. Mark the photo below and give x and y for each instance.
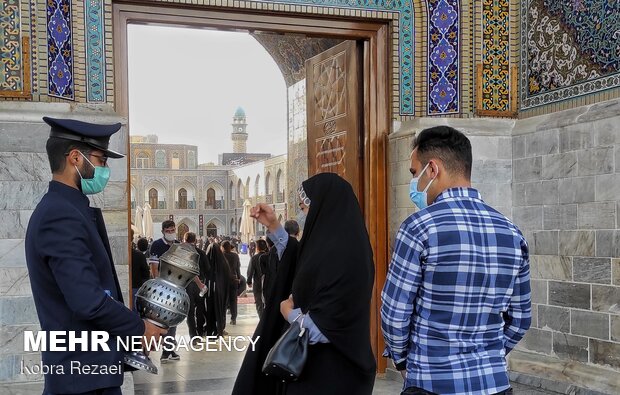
(239, 113)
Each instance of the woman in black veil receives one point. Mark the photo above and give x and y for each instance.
(250, 379)
(332, 287)
(217, 281)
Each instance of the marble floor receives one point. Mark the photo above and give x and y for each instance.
(214, 372)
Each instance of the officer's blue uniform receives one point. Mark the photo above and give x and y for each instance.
(74, 283)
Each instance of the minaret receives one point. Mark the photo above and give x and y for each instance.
(239, 134)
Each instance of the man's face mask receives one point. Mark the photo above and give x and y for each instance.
(99, 180)
(419, 198)
(169, 236)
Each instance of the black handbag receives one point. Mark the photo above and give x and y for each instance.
(287, 357)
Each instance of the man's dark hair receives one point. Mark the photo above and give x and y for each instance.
(190, 237)
(57, 150)
(167, 224)
(291, 227)
(227, 246)
(261, 245)
(142, 244)
(447, 144)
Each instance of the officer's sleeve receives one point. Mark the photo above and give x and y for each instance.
(63, 243)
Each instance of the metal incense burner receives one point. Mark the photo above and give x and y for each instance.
(163, 301)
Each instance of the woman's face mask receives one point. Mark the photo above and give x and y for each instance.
(301, 218)
(304, 207)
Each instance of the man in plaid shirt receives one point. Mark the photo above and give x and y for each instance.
(457, 295)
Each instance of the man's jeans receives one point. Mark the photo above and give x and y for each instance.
(420, 391)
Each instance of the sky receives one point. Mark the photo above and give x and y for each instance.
(186, 84)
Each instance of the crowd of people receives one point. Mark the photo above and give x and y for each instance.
(455, 302)
(219, 284)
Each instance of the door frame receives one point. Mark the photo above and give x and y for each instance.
(376, 64)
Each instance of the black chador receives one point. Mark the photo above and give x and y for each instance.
(217, 280)
(333, 281)
(251, 380)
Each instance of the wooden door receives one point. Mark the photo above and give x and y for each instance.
(182, 229)
(333, 95)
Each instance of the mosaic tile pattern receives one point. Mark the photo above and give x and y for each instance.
(59, 49)
(291, 52)
(495, 56)
(11, 62)
(569, 49)
(95, 60)
(405, 11)
(443, 59)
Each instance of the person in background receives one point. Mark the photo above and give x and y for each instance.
(218, 284)
(197, 315)
(255, 276)
(158, 248)
(252, 248)
(235, 271)
(161, 245)
(457, 295)
(292, 228)
(140, 272)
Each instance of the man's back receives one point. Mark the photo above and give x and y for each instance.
(458, 265)
(254, 271)
(140, 272)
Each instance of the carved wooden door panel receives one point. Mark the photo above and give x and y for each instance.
(333, 85)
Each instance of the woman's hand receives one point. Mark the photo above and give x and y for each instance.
(286, 306)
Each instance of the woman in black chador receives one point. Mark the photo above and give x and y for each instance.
(217, 281)
(332, 287)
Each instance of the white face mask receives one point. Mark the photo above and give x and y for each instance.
(169, 236)
(301, 218)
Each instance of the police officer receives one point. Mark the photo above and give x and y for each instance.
(74, 283)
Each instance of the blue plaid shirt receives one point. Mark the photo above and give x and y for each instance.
(457, 296)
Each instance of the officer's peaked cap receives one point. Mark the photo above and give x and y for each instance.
(92, 134)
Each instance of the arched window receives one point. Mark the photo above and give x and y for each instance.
(210, 198)
(153, 198)
(182, 198)
(257, 186)
(233, 230)
(279, 187)
(267, 186)
(143, 161)
(132, 192)
(182, 229)
(211, 230)
(247, 188)
(175, 164)
(239, 193)
(160, 159)
(231, 191)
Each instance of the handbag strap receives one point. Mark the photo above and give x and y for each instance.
(301, 326)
